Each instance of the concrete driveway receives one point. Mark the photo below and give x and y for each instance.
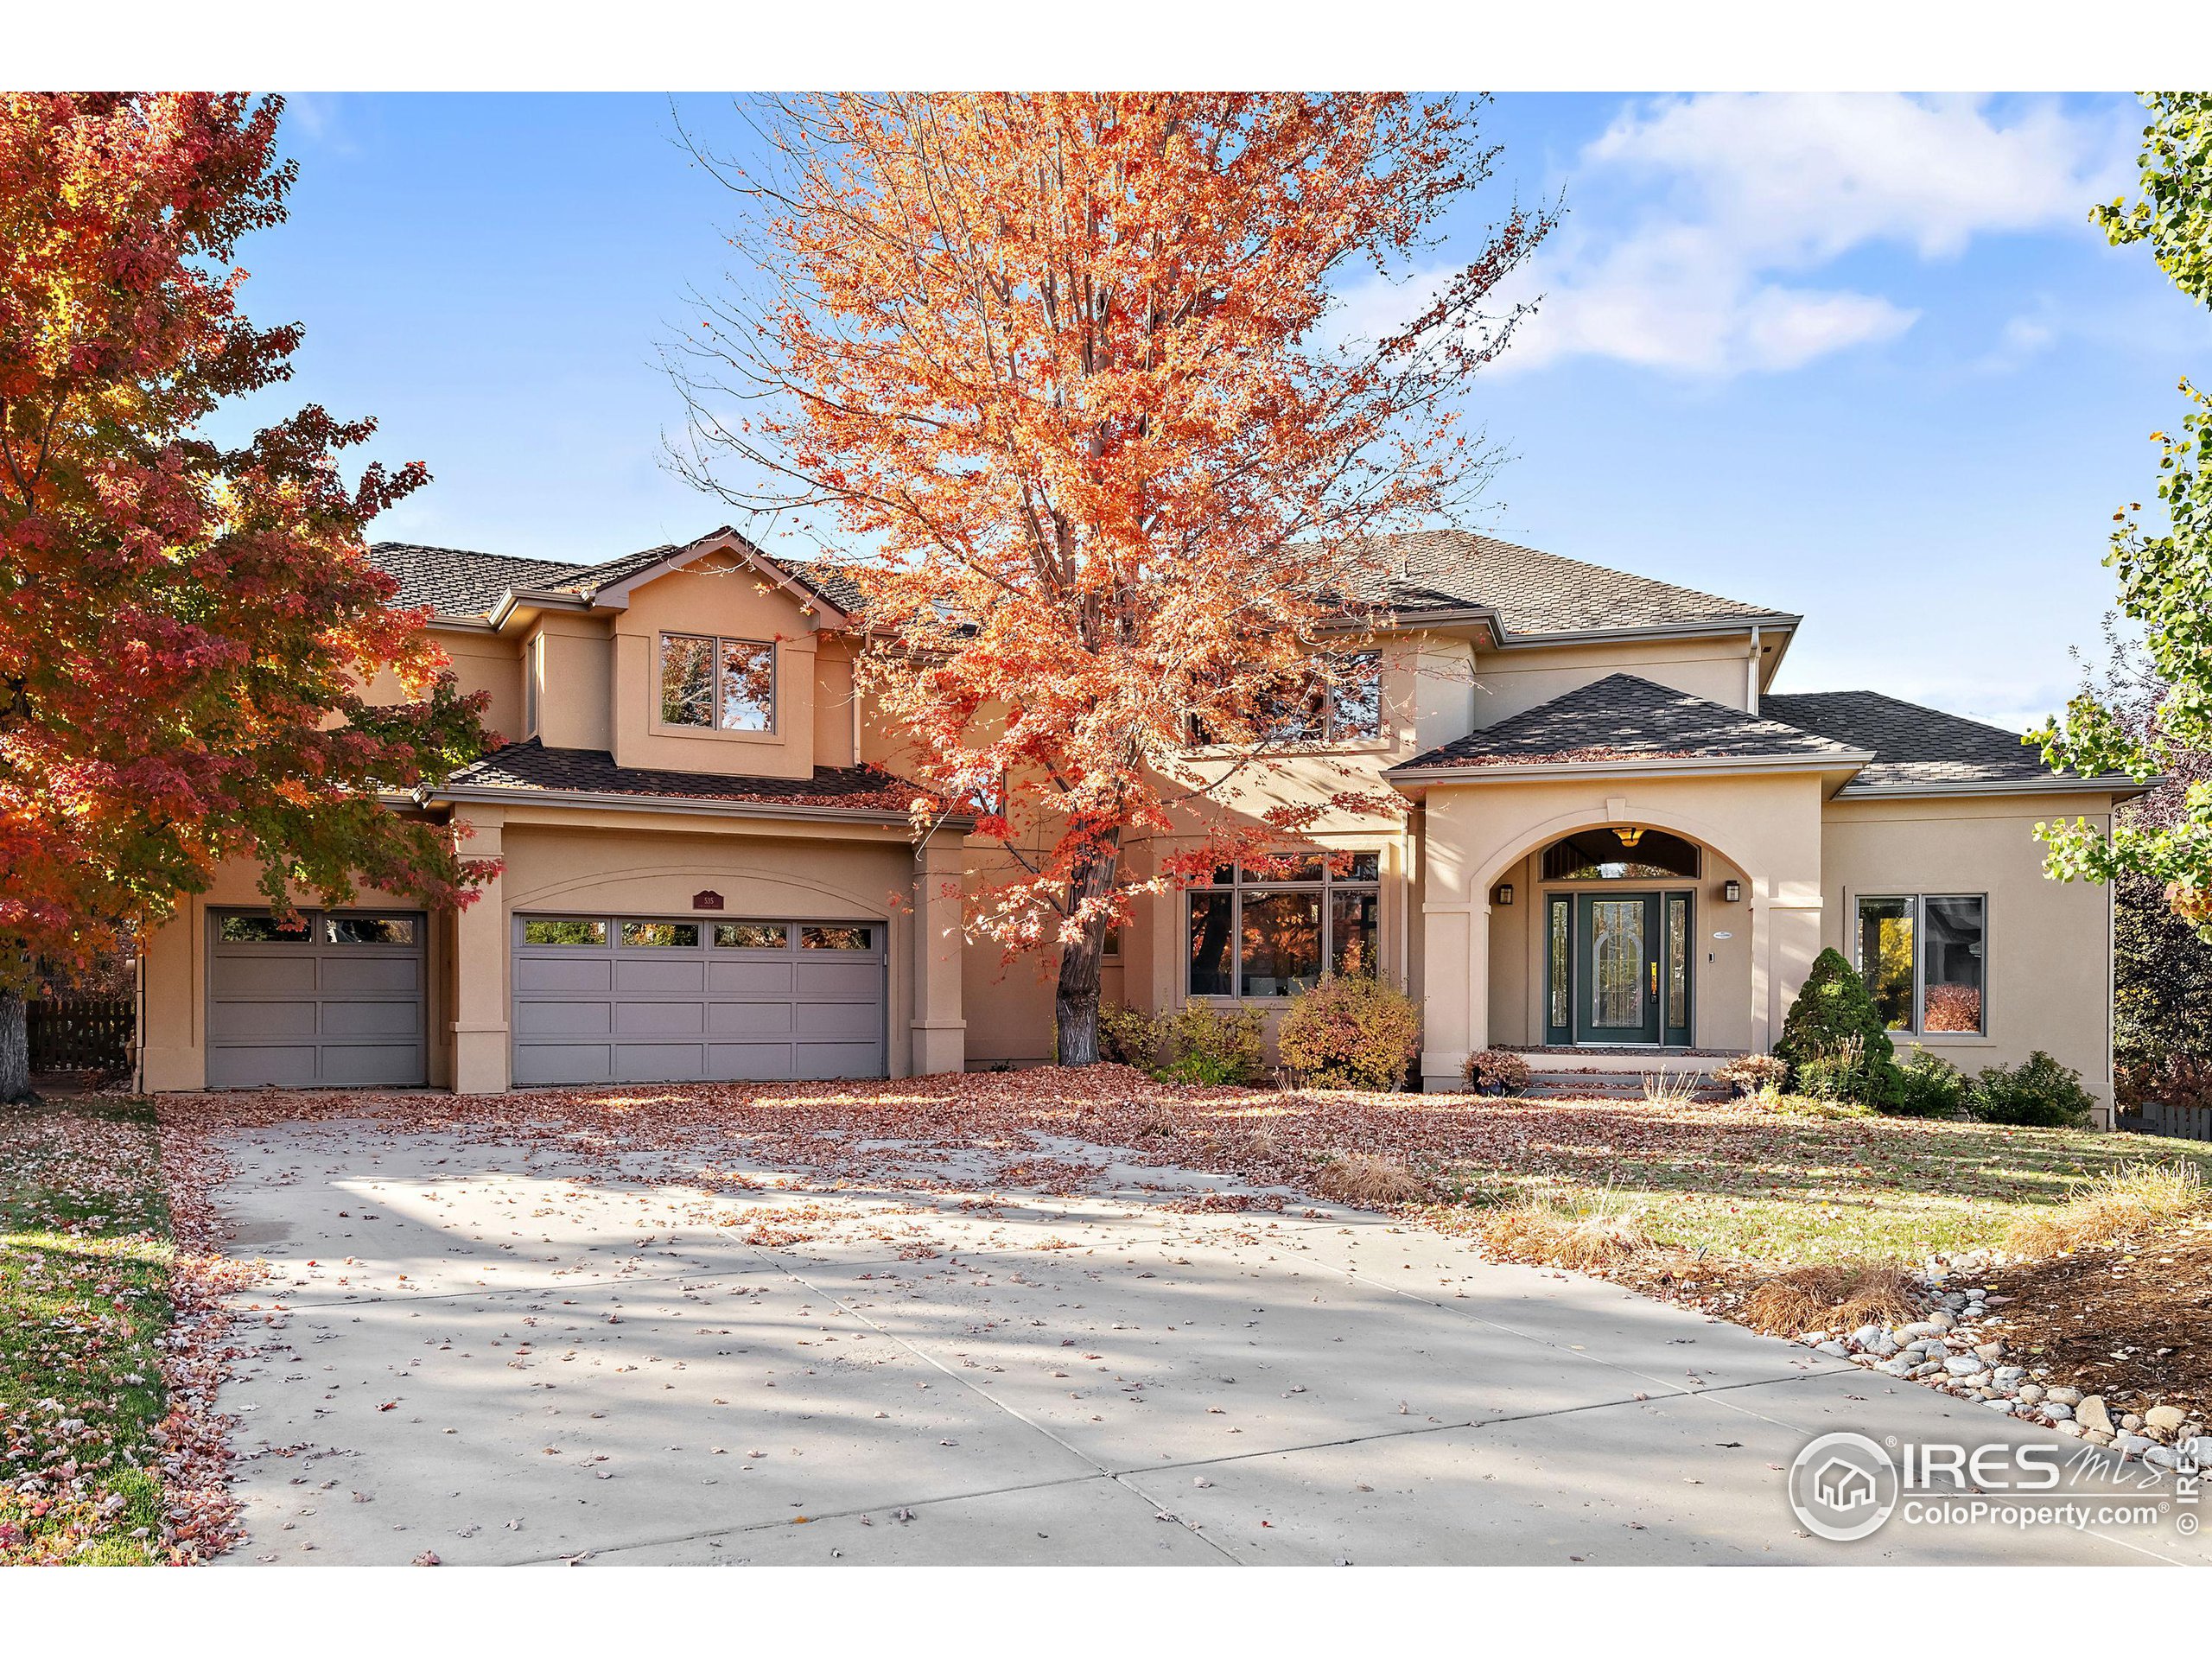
(513, 1355)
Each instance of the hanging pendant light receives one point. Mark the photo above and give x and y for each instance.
(1630, 835)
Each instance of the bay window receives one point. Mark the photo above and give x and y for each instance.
(1922, 956)
(1274, 931)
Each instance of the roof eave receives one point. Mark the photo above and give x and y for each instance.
(1705, 628)
(2120, 787)
(489, 795)
(1693, 765)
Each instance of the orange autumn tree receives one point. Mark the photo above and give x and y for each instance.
(186, 627)
(1062, 375)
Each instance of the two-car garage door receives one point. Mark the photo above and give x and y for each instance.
(607, 999)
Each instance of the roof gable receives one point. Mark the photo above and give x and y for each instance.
(458, 583)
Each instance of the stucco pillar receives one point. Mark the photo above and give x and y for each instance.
(481, 1050)
(1455, 991)
(940, 1034)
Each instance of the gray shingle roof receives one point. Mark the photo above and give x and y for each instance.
(1622, 717)
(1912, 746)
(454, 581)
(1534, 593)
(531, 765)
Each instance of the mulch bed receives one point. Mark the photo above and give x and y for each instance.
(2131, 1323)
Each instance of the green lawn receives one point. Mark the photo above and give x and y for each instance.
(85, 1292)
(1789, 1189)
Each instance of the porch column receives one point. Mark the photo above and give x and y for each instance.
(480, 1024)
(1455, 991)
(939, 1032)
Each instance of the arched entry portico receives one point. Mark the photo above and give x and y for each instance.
(1486, 965)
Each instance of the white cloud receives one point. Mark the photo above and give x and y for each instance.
(1695, 222)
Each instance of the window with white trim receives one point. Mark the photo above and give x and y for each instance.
(1254, 934)
(1922, 956)
(717, 685)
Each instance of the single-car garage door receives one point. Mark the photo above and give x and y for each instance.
(334, 1000)
(608, 999)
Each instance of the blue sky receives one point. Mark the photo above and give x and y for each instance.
(1861, 358)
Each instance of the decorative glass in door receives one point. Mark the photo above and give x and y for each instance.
(1617, 958)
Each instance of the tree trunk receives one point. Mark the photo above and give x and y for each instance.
(16, 1046)
(1075, 1006)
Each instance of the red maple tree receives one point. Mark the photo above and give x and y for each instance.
(1065, 371)
(186, 630)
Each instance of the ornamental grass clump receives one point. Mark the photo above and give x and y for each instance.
(1831, 1296)
(1594, 1233)
(1368, 1183)
(2130, 1201)
(1350, 1032)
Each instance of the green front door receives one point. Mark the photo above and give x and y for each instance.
(1617, 953)
(1620, 967)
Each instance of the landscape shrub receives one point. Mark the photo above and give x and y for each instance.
(1752, 1074)
(1933, 1087)
(2039, 1094)
(1495, 1068)
(1350, 1032)
(1833, 1029)
(2162, 997)
(1209, 1047)
(1128, 1036)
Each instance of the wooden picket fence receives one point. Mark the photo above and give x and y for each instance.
(82, 1034)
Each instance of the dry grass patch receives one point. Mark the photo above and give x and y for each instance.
(1368, 1183)
(2120, 1203)
(1831, 1296)
(1597, 1234)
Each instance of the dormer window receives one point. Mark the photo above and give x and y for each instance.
(718, 684)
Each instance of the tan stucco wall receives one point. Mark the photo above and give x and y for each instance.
(713, 597)
(1508, 682)
(574, 660)
(2048, 955)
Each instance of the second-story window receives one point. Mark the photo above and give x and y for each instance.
(1345, 711)
(722, 684)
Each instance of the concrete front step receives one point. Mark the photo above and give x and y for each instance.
(1616, 1086)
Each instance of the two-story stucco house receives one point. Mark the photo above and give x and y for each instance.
(1617, 841)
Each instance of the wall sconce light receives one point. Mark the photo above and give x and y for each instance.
(1733, 891)
(1630, 835)
(1504, 893)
